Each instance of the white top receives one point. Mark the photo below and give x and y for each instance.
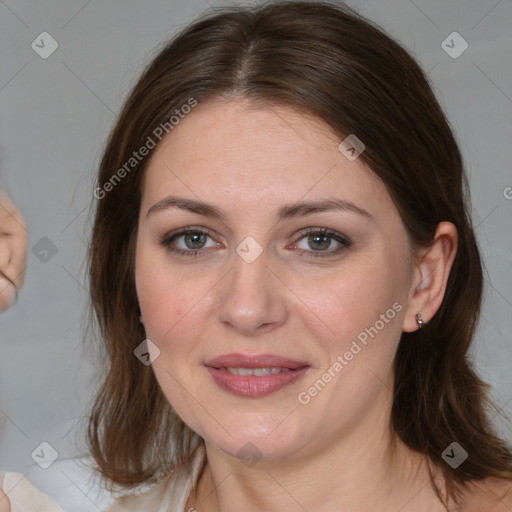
(168, 495)
(24, 497)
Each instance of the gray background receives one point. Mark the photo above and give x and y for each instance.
(56, 114)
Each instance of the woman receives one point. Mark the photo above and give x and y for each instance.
(287, 281)
(298, 252)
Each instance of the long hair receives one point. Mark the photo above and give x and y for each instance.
(322, 59)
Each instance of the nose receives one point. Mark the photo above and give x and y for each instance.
(252, 299)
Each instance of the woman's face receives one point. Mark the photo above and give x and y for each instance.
(275, 333)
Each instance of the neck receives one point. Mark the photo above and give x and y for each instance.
(364, 469)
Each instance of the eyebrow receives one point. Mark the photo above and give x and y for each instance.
(288, 211)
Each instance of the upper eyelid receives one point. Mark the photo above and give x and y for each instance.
(342, 239)
(170, 237)
(323, 231)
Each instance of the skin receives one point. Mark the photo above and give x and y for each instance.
(13, 249)
(5, 505)
(334, 453)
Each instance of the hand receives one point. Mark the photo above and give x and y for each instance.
(5, 504)
(13, 251)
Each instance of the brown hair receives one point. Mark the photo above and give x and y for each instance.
(325, 60)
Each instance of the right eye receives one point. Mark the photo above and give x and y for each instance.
(193, 241)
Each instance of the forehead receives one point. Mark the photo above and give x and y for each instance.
(233, 152)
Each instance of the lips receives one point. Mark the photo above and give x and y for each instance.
(257, 372)
(254, 376)
(259, 361)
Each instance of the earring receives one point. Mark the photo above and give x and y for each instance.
(141, 320)
(419, 321)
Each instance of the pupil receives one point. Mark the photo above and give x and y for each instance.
(320, 238)
(193, 239)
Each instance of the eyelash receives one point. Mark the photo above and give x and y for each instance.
(338, 237)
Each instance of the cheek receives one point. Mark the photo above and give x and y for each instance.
(172, 305)
(374, 328)
(172, 310)
(352, 299)
(365, 310)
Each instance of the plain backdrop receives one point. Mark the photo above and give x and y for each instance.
(56, 113)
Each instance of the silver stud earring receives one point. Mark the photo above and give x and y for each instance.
(419, 321)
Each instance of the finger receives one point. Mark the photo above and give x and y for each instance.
(16, 261)
(11, 220)
(7, 296)
(13, 242)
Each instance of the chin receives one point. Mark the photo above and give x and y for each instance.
(268, 440)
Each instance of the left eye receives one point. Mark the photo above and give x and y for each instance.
(319, 241)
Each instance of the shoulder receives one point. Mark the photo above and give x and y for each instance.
(489, 494)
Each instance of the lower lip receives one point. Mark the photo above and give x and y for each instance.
(253, 386)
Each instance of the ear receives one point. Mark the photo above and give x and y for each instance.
(430, 275)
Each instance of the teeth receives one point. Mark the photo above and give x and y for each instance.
(257, 372)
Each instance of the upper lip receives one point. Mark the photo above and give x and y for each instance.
(255, 361)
